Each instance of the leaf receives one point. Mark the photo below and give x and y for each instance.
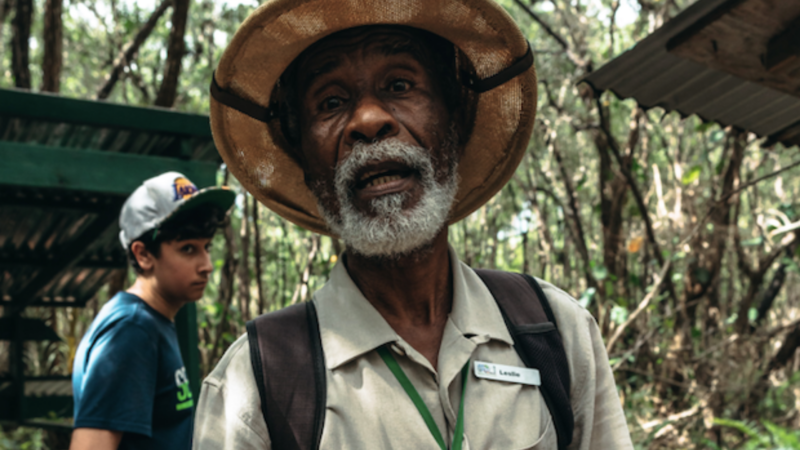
(586, 298)
(782, 436)
(600, 272)
(635, 244)
(703, 127)
(619, 314)
(737, 425)
(702, 275)
(581, 182)
(691, 175)
(717, 136)
(753, 242)
(752, 314)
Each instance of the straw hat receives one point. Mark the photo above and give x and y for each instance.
(247, 131)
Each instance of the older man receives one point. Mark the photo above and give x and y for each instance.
(380, 122)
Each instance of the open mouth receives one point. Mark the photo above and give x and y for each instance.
(377, 178)
(383, 173)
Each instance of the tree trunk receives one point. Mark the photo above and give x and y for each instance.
(19, 44)
(226, 279)
(5, 7)
(175, 51)
(130, 50)
(53, 46)
(257, 257)
(244, 266)
(117, 282)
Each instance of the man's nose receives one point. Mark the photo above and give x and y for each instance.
(371, 121)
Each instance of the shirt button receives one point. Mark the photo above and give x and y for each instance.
(396, 348)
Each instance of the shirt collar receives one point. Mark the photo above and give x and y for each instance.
(350, 326)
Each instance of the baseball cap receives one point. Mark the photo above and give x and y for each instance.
(161, 198)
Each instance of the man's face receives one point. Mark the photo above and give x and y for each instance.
(182, 269)
(376, 141)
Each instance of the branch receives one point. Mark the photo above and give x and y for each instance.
(576, 218)
(642, 306)
(175, 51)
(732, 193)
(131, 49)
(561, 41)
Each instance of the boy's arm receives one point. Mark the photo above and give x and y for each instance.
(95, 439)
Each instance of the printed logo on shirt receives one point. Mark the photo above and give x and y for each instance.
(485, 369)
(184, 393)
(183, 188)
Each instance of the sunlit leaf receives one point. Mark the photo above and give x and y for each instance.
(635, 244)
(691, 175)
(619, 315)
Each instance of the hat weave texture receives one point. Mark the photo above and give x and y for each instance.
(279, 30)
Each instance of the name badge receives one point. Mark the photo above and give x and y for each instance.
(510, 374)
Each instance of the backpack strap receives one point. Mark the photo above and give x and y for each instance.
(537, 341)
(289, 368)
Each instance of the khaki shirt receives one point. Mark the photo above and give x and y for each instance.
(368, 409)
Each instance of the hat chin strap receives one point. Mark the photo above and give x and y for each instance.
(475, 84)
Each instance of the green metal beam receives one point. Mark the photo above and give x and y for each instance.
(186, 327)
(38, 166)
(53, 108)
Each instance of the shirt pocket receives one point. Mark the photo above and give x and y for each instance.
(548, 440)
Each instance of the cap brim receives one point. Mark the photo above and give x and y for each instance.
(220, 197)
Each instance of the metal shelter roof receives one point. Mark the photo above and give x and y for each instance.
(67, 167)
(655, 76)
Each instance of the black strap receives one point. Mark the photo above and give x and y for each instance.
(290, 378)
(487, 84)
(265, 114)
(532, 325)
(247, 107)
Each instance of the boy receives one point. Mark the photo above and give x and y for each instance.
(129, 381)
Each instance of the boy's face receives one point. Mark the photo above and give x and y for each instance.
(182, 270)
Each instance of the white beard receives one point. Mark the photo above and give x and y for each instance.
(392, 232)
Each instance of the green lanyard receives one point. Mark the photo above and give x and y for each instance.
(458, 434)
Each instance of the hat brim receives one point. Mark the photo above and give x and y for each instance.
(279, 30)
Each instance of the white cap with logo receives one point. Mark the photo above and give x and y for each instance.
(160, 198)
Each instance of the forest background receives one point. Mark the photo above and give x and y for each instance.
(677, 235)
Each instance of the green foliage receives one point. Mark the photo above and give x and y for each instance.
(22, 438)
(771, 437)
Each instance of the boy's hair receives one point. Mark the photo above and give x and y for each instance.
(196, 223)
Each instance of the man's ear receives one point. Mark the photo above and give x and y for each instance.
(144, 258)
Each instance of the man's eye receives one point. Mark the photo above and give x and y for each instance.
(399, 86)
(331, 103)
(187, 248)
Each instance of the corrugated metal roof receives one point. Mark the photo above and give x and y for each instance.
(656, 78)
(37, 225)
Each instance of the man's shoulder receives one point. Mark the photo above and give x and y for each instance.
(563, 304)
(234, 367)
(575, 324)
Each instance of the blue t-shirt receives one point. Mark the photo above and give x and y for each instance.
(129, 376)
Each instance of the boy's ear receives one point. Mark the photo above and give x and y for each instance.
(144, 258)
